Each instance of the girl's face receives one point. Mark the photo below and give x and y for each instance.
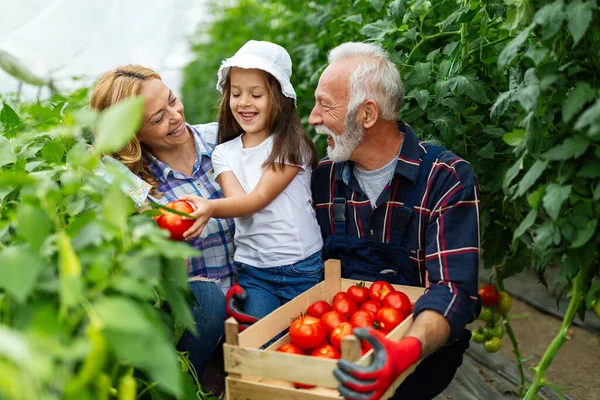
(249, 100)
(163, 124)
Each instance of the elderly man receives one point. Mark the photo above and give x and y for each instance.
(396, 209)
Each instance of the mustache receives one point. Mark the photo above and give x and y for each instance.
(322, 129)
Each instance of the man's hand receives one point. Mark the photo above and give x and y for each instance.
(390, 360)
(234, 304)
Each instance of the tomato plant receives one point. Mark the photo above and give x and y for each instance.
(345, 306)
(307, 332)
(359, 293)
(175, 223)
(399, 301)
(489, 295)
(318, 308)
(343, 329)
(362, 319)
(379, 289)
(332, 319)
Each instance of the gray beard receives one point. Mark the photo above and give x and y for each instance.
(344, 144)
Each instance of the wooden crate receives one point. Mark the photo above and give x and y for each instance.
(265, 374)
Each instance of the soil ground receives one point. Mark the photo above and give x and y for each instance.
(577, 364)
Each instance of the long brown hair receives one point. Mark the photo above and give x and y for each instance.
(291, 144)
(112, 87)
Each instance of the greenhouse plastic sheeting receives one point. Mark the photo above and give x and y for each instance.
(43, 41)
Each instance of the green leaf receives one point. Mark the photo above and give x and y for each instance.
(487, 151)
(527, 94)
(500, 106)
(579, 16)
(597, 192)
(34, 225)
(442, 88)
(9, 118)
(53, 151)
(116, 207)
(433, 54)
(469, 84)
(534, 134)
(582, 236)
(534, 199)
(577, 98)
(397, 9)
(377, 4)
(515, 138)
(550, 17)
(357, 19)
(444, 122)
(420, 74)
(554, 198)
(577, 259)
(525, 224)
(536, 170)
(19, 270)
(422, 97)
(378, 29)
(592, 294)
(7, 154)
(571, 148)
(589, 117)
(122, 314)
(118, 124)
(519, 13)
(511, 50)
(537, 54)
(512, 173)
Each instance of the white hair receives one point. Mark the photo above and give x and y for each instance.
(374, 77)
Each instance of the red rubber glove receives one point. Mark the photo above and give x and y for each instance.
(390, 360)
(234, 304)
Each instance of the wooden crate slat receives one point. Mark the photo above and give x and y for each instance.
(241, 390)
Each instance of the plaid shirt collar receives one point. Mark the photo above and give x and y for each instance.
(162, 170)
(407, 165)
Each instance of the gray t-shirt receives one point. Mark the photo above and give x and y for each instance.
(373, 182)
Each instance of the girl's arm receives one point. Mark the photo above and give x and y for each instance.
(230, 185)
(270, 185)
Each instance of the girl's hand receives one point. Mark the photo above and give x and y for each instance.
(202, 213)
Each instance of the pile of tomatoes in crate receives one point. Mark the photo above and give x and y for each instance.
(320, 330)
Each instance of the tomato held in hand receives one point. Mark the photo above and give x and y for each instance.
(332, 319)
(346, 306)
(388, 318)
(380, 289)
(343, 329)
(175, 224)
(358, 292)
(371, 305)
(362, 319)
(489, 295)
(326, 351)
(399, 301)
(318, 308)
(307, 332)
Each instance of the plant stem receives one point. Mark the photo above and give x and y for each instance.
(425, 39)
(463, 36)
(577, 297)
(514, 341)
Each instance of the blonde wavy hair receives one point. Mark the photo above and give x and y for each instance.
(112, 87)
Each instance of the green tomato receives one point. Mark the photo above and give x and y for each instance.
(487, 332)
(597, 307)
(492, 345)
(497, 331)
(496, 317)
(485, 314)
(478, 336)
(504, 303)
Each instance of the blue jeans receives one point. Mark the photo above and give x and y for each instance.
(209, 315)
(269, 288)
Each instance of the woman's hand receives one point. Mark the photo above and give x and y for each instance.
(202, 213)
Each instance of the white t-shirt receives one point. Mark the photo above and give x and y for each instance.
(284, 232)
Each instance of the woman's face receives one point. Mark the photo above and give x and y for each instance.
(163, 123)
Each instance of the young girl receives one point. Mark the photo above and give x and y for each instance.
(263, 164)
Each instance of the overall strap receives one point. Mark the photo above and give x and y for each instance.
(338, 202)
(410, 198)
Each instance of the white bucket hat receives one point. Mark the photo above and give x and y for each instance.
(266, 56)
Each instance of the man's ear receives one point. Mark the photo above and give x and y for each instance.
(369, 113)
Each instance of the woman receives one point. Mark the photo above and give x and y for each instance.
(169, 159)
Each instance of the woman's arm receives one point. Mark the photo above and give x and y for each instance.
(270, 185)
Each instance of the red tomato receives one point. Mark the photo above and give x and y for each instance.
(326, 351)
(362, 319)
(371, 305)
(175, 224)
(343, 329)
(380, 289)
(358, 292)
(346, 306)
(318, 308)
(388, 318)
(290, 348)
(307, 332)
(399, 301)
(339, 296)
(332, 319)
(489, 295)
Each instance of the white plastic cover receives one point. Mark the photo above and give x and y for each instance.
(44, 41)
